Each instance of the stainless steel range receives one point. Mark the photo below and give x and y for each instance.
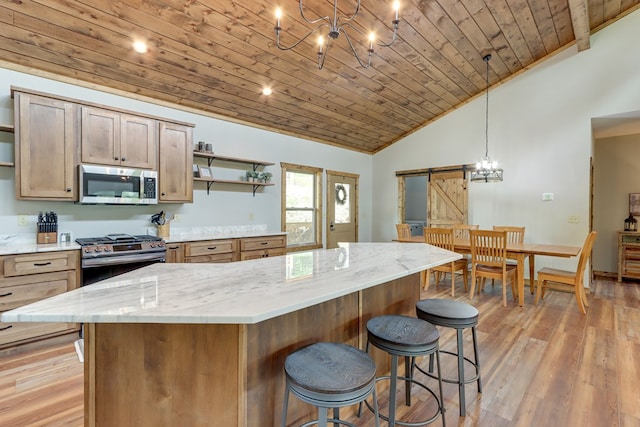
(114, 254)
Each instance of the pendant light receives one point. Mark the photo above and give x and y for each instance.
(487, 170)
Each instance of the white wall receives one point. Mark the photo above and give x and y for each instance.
(539, 131)
(219, 208)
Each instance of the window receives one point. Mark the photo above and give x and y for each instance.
(301, 207)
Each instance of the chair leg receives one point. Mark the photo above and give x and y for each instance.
(465, 279)
(336, 416)
(285, 406)
(504, 290)
(580, 301)
(473, 284)
(538, 290)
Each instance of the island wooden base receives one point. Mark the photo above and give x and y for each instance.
(231, 375)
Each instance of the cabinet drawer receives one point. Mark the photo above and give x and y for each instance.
(228, 257)
(14, 293)
(255, 243)
(19, 331)
(209, 247)
(19, 265)
(261, 254)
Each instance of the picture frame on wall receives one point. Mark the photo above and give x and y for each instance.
(634, 203)
(204, 172)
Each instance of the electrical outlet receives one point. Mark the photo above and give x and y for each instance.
(177, 217)
(547, 197)
(574, 219)
(23, 219)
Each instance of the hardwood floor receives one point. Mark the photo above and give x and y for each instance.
(541, 366)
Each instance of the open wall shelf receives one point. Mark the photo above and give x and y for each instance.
(255, 164)
(8, 129)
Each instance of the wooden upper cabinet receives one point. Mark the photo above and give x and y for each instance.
(46, 133)
(175, 173)
(118, 139)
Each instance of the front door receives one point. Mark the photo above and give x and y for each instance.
(342, 208)
(448, 199)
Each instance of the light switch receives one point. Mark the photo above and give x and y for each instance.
(547, 197)
(574, 219)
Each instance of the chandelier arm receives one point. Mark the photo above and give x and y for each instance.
(353, 49)
(313, 21)
(395, 23)
(306, 36)
(345, 19)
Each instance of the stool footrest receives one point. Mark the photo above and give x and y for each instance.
(449, 380)
(440, 410)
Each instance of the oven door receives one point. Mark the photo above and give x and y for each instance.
(97, 269)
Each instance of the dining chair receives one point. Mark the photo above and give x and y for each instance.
(556, 279)
(489, 260)
(443, 238)
(516, 235)
(461, 231)
(404, 232)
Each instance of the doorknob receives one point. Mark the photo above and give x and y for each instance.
(331, 226)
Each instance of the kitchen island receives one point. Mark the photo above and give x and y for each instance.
(204, 344)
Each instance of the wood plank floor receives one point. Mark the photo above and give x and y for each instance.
(541, 366)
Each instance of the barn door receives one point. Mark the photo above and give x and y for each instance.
(448, 199)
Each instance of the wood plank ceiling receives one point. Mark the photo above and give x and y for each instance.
(216, 56)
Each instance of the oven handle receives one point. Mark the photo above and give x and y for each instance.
(123, 259)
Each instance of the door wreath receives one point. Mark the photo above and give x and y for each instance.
(341, 194)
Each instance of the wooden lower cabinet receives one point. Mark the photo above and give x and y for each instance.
(27, 278)
(262, 247)
(211, 251)
(628, 255)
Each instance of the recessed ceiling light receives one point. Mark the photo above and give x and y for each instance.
(140, 47)
(267, 91)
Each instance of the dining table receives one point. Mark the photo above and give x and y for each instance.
(515, 251)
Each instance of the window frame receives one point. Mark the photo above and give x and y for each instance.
(317, 209)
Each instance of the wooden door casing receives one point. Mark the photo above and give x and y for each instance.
(345, 232)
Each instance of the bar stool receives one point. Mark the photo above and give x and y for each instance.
(329, 375)
(458, 315)
(408, 337)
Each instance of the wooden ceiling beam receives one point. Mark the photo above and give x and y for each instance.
(580, 19)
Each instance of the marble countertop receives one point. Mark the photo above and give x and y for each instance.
(12, 244)
(241, 293)
(193, 236)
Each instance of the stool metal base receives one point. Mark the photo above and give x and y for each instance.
(460, 316)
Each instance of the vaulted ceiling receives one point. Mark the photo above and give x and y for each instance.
(216, 56)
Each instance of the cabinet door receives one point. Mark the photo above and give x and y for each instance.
(46, 132)
(175, 253)
(100, 136)
(175, 173)
(138, 142)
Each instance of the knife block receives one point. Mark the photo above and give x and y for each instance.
(164, 230)
(44, 238)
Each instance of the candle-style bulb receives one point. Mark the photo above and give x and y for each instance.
(320, 44)
(278, 16)
(372, 38)
(396, 7)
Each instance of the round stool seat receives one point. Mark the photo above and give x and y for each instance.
(402, 335)
(329, 375)
(408, 337)
(330, 372)
(448, 313)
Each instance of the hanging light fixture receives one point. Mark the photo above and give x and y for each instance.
(487, 170)
(335, 25)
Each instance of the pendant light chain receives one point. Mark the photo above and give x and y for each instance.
(486, 121)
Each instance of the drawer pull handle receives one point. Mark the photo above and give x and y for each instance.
(264, 243)
(174, 247)
(41, 264)
(212, 248)
(6, 327)
(6, 295)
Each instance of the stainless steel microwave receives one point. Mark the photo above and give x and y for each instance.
(117, 186)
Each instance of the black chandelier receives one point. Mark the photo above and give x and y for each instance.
(487, 170)
(334, 25)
